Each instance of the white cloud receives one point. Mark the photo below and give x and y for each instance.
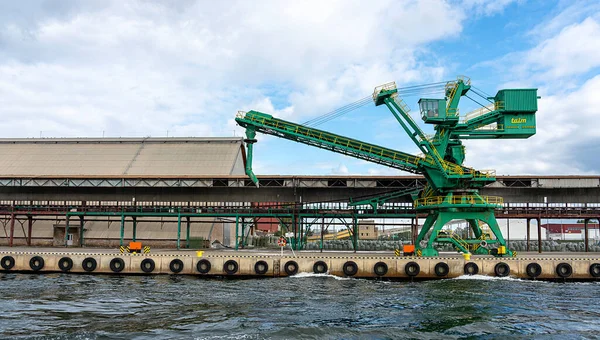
(575, 50)
(486, 7)
(142, 68)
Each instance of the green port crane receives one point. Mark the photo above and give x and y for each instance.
(452, 190)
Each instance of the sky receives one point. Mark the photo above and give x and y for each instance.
(184, 68)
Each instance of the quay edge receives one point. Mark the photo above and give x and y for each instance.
(560, 266)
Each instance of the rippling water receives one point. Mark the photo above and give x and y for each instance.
(63, 306)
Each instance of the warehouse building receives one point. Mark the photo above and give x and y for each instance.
(40, 169)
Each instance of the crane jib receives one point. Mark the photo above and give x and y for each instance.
(374, 153)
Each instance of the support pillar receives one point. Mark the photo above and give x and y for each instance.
(178, 231)
(412, 230)
(539, 223)
(67, 231)
(122, 229)
(508, 233)
(322, 230)
(528, 234)
(237, 225)
(295, 230)
(81, 224)
(12, 229)
(301, 234)
(586, 236)
(29, 229)
(243, 236)
(355, 232)
(134, 236)
(414, 236)
(187, 232)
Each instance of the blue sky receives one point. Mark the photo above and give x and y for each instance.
(139, 68)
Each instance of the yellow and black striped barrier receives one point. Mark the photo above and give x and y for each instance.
(397, 252)
(146, 249)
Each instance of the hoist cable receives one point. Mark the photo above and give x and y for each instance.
(478, 103)
(408, 91)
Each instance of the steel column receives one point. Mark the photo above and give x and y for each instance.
(414, 236)
(539, 223)
(81, 223)
(355, 232)
(67, 231)
(295, 230)
(12, 229)
(322, 230)
(508, 232)
(178, 231)
(122, 228)
(134, 229)
(585, 237)
(29, 229)
(237, 224)
(242, 241)
(301, 233)
(528, 234)
(187, 232)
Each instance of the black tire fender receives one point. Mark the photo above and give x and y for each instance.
(320, 267)
(350, 268)
(412, 269)
(564, 270)
(7, 262)
(176, 266)
(380, 268)
(117, 265)
(230, 267)
(65, 264)
(471, 268)
(89, 264)
(533, 270)
(595, 270)
(441, 269)
(291, 268)
(36, 263)
(261, 267)
(203, 266)
(501, 269)
(147, 265)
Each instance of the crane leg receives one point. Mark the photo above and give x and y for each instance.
(250, 140)
(429, 250)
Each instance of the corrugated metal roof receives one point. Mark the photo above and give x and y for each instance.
(121, 156)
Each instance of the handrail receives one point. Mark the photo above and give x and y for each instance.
(466, 199)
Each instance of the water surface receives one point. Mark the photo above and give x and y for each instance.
(63, 306)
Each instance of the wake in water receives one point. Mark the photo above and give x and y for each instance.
(489, 278)
(304, 275)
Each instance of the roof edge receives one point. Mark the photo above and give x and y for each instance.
(120, 140)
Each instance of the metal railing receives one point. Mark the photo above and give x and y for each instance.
(466, 199)
(385, 87)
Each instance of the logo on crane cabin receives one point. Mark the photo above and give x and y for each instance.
(518, 120)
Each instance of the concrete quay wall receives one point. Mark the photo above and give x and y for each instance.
(248, 264)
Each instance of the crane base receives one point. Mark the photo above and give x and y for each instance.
(483, 242)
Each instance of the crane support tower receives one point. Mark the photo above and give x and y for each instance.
(452, 190)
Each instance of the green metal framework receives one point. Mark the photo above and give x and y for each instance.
(452, 190)
(293, 219)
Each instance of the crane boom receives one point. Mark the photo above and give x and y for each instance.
(255, 121)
